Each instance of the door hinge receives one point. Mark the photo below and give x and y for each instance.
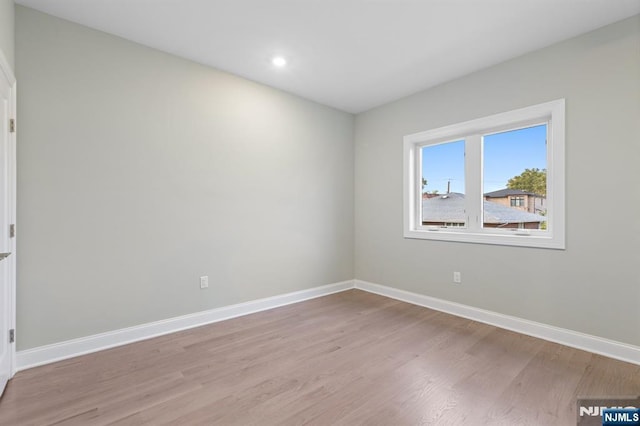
(12, 125)
(12, 230)
(12, 335)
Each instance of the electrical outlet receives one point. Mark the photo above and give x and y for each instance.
(457, 277)
(204, 282)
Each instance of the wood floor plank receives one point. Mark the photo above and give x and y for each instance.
(345, 359)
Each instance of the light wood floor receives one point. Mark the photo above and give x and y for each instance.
(345, 359)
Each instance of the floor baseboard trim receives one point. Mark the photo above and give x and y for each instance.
(587, 342)
(42, 355)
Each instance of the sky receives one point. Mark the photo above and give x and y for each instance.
(505, 155)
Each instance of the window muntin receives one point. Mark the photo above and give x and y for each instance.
(548, 234)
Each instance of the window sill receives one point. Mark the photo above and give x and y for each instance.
(506, 238)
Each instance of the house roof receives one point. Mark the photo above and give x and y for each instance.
(507, 192)
(450, 208)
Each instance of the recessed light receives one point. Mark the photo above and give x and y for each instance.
(279, 61)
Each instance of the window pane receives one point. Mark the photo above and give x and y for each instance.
(515, 178)
(443, 185)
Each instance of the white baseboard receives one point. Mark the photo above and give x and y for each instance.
(71, 348)
(575, 339)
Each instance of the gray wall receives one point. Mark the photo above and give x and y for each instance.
(6, 30)
(594, 285)
(139, 172)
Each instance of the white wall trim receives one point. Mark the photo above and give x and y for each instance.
(6, 69)
(71, 348)
(6, 74)
(575, 339)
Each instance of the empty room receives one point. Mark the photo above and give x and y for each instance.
(355, 212)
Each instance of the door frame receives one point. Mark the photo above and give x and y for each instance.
(7, 73)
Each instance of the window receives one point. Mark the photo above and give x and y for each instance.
(493, 180)
(517, 201)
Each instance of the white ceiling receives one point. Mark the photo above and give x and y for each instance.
(349, 54)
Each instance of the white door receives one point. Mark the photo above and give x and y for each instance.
(7, 214)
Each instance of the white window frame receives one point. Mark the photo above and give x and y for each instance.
(550, 113)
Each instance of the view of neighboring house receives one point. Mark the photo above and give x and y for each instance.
(449, 210)
(518, 199)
